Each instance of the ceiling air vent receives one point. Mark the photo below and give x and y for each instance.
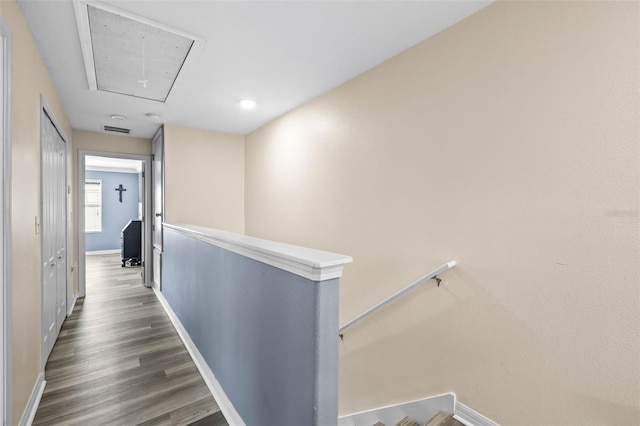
(117, 129)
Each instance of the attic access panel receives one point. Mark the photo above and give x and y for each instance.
(130, 55)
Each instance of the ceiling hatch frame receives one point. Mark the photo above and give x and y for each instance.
(84, 31)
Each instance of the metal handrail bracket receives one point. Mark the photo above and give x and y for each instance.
(431, 275)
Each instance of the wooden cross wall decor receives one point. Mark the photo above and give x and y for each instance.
(120, 188)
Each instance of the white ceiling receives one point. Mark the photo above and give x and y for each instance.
(280, 53)
(109, 164)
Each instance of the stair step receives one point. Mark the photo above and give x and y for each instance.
(443, 419)
(438, 419)
(408, 421)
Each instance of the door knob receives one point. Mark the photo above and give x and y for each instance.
(158, 214)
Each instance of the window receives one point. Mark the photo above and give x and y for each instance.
(93, 205)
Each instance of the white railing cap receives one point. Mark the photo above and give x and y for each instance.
(315, 265)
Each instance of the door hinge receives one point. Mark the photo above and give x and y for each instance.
(153, 157)
(142, 174)
(143, 263)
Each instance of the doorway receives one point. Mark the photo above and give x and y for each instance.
(113, 207)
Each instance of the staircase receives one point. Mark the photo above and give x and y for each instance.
(437, 408)
(441, 419)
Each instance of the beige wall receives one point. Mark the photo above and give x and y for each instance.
(30, 80)
(509, 143)
(102, 142)
(204, 178)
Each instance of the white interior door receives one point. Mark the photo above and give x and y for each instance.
(60, 230)
(48, 236)
(158, 204)
(54, 272)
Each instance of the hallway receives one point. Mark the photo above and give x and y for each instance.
(119, 361)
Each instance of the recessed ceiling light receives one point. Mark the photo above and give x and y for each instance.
(247, 103)
(153, 117)
(118, 117)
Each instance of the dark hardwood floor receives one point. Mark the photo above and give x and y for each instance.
(119, 361)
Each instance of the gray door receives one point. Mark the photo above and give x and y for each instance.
(157, 177)
(53, 221)
(142, 200)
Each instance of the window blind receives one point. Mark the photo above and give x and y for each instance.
(93, 205)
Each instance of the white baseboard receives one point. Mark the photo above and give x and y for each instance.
(73, 305)
(228, 410)
(469, 417)
(99, 252)
(421, 410)
(34, 401)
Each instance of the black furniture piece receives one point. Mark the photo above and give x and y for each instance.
(130, 243)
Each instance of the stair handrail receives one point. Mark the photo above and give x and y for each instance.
(433, 275)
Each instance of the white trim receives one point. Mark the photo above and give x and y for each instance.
(112, 169)
(99, 252)
(82, 286)
(147, 250)
(84, 33)
(314, 265)
(5, 223)
(72, 305)
(82, 21)
(34, 401)
(421, 410)
(469, 417)
(228, 410)
(156, 289)
(130, 15)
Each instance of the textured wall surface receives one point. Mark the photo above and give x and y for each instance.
(268, 335)
(510, 143)
(30, 80)
(204, 178)
(115, 214)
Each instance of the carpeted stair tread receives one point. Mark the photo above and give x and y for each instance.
(408, 421)
(443, 419)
